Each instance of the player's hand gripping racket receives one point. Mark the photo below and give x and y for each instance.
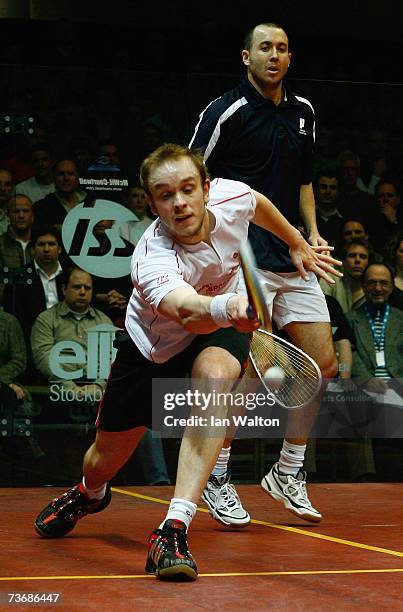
(291, 375)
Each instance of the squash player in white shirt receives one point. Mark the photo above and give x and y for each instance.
(184, 313)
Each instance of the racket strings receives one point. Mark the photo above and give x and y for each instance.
(301, 376)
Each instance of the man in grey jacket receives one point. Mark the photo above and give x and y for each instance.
(60, 340)
(377, 332)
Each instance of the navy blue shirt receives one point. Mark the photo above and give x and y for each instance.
(246, 137)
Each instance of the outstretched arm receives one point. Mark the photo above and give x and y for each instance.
(198, 314)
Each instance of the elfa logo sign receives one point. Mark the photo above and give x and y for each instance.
(82, 245)
(96, 358)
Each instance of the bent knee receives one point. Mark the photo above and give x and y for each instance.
(328, 365)
(218, 372)
(216, 364)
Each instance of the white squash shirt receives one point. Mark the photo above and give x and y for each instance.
(160, 264)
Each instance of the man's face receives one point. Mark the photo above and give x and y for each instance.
(386, 195)
(21, 214)
(356, 261)
(42, 164)
(46, 250)
(66, 177)
(351, 172)
(78, 291)
(178, 197)
(268, 59)
(378, 284)
(136, 201)
(327, 191)
(353, 229)
(6, 187)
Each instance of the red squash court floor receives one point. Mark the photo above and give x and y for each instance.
(352, 560)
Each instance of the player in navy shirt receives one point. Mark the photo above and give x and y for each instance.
(263, 134)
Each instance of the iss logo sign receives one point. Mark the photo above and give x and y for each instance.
(83, 245)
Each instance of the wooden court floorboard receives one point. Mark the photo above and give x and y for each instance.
(352, 560)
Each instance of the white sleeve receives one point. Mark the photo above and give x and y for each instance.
(252, 208)
(235, 198)
(157, 272)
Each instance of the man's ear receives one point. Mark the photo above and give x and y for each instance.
(206, 191)
(245, 57)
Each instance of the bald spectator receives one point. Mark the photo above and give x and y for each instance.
(377, 332)
(15, 244)
(71, 320)
(6, 191)
(41, 183)
(54, 208)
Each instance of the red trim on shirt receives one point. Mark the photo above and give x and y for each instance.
(241, 195)
(153, 347)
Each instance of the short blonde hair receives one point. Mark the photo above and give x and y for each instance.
(166, 152)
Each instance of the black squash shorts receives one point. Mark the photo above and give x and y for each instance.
(127, 401)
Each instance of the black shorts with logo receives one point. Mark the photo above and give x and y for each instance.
(127, 401)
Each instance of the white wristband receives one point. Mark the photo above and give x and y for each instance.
(218, 309)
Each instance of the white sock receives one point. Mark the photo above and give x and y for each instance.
(291, 458)
(180, 510)
(98, 493)
(221, 465)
